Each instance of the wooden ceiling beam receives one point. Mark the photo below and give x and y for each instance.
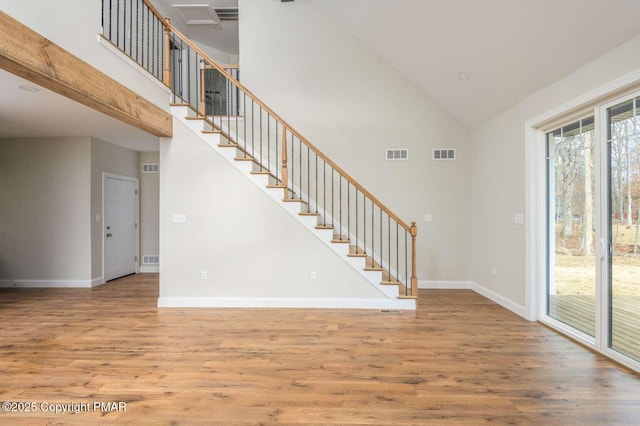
(25, 53)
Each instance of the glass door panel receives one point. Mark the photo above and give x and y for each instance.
(571, 283)
(624, 237)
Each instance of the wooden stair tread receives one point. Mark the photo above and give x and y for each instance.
(259, 172)
(391, 283)
(276, 186)
(402, 296)
(294, 200)
(374, 269)
(195, 118)
(340, 239)
(179, 104)
(325, 227)
(228, 145)
(245, 159)
(357, 255)
(309, 214)
(209, 132)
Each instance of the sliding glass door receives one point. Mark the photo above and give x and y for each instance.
(571, 284)
(593, 228)
(624, 252)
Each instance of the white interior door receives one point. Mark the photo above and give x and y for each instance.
(119, 227)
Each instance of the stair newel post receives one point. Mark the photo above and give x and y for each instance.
(166, 77)
(414, 277)
(285, 174)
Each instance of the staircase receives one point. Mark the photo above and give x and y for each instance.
(242, 129)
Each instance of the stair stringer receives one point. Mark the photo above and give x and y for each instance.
(390, 292)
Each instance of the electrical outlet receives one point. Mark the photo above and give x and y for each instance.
(428, 217)
(205, 275)
(313, 275)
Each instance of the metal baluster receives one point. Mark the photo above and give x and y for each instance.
(277, 157)
(268, 142)
(308, 180)
(324, 191)
(244, 105)
(357, 220)
(300, 167)
(340, 206)
(364, 225)
(253, 131)
(137, 28)
(131, 28)
(348, 209)
(332, 196)
(397, 251)
(261, 138)
(389, 244)
(118, 23)
(406, 270)
(317, 200)
(293, 167)
(373, 235)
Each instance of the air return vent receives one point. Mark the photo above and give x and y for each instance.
(229, 14)
(444, 154)
(150, 260)
(397, 154)
(150, 168)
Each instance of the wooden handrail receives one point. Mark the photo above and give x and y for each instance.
(290, 128)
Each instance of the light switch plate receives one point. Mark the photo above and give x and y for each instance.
(518, 219)
(179, 218)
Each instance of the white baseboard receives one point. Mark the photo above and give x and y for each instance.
(47, 283)
(500, 300)
(445, 285)
(483, 291)
(150, 269)
(284, 302)
(95, 282)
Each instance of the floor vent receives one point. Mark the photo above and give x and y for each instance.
(397, 154)
(150, 260)
(150, 168)
(444, 154)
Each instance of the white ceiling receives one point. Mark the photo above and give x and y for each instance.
(46, 114)
(225, 38)
(509, 48)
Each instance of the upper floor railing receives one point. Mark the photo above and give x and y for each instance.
(294, 164)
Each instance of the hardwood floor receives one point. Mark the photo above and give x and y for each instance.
(459, 359)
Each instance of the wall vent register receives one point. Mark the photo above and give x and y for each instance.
(150, 168)
(444, 154)
(150, 260)
(397, 154)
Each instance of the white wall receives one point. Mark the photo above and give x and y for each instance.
(74, 25)
(249, 246)
(149, 207)
(44, 209)
(351, 105)
(498, 173)
(105, 158)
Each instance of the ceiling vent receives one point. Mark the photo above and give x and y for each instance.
(444, 154)
(227, 14)
(397, 154)
(197, 14)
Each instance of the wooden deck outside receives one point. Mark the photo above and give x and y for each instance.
(578, 311)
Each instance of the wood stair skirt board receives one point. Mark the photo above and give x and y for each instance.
(284, 302)
(390, 295)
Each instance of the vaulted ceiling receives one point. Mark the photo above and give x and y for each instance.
(476, 58)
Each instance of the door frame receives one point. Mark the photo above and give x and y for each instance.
(536, 243)
(136, 181)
